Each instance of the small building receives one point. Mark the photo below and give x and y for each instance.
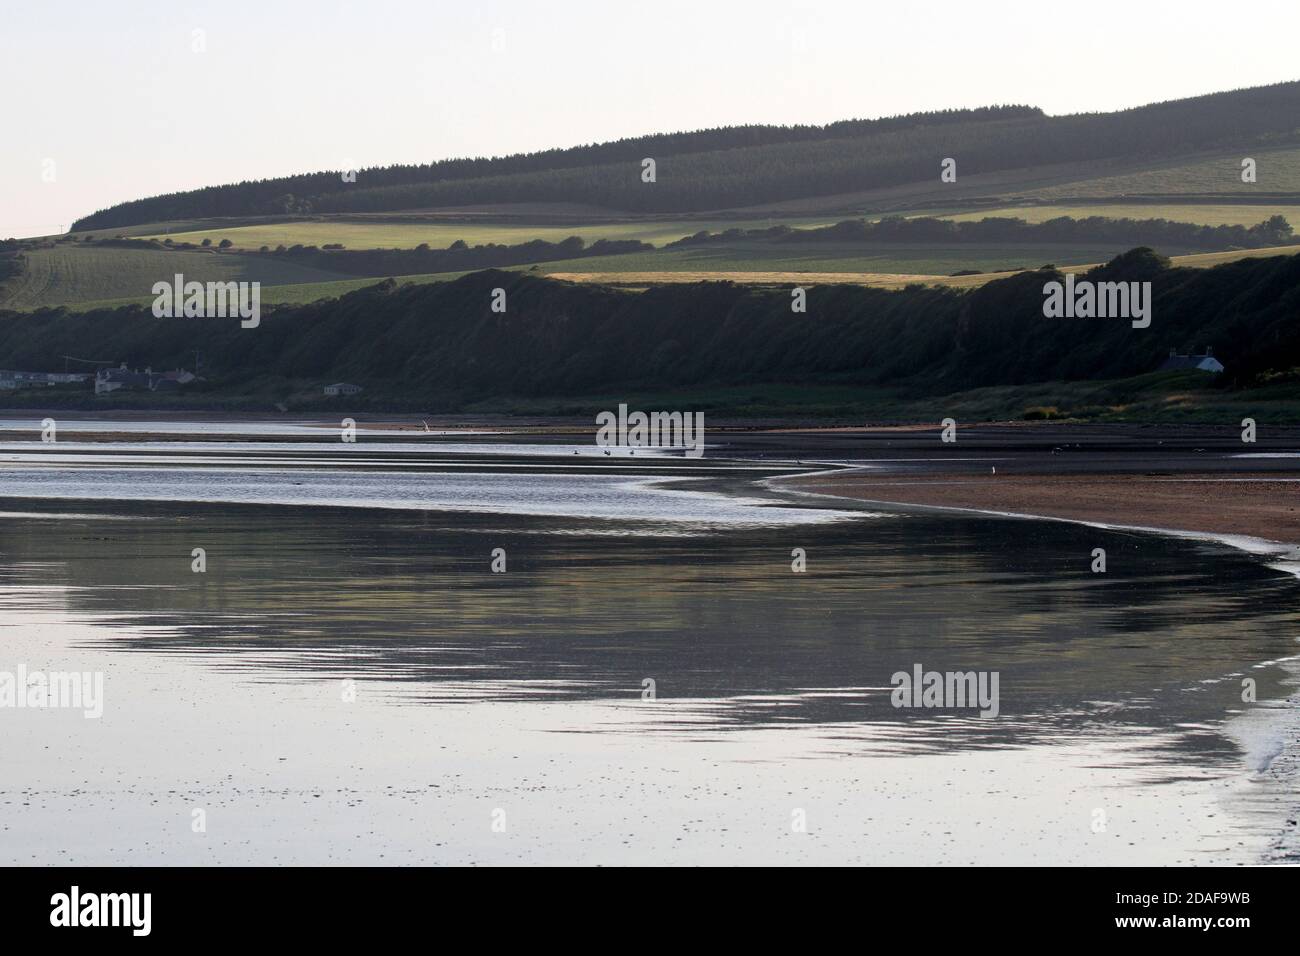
(113, 379)
(1204, 363)
(342, 388)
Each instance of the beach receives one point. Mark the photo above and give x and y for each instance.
(472, 647)
(1262, 507)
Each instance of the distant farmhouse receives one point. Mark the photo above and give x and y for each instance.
(114, 379)
(342, 388)
(12, 380)
(1205, 363)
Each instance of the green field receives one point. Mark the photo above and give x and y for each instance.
(72, 273)
(1277, 171)
(1201, 190)
(881, 271)
(92, 277)
(405, 234)
(296, 294)
(892, 258)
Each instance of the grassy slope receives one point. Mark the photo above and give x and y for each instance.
(71, 273)
(1277, 171)
(404, 234)
(296, 294)
(1203, 177)
(1195, 187)
(676, 272)
(79, 275)
(893, 258)
(1203, 189)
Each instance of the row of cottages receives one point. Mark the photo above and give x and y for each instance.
(11, 380)
(112, 379)
(1205, 363)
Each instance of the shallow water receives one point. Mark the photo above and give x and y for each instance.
(520, 696)
(637, 498)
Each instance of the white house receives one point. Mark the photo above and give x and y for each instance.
(1205, 363)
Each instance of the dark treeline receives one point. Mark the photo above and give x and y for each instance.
(1275, 231)
(750, 165)
(458, 257)
(302, 194)
(439, 346)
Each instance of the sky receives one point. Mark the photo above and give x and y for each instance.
(107, 102)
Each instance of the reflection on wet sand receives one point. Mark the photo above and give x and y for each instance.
(526, 689)
(719, 620)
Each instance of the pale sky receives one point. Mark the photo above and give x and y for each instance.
(114, 101)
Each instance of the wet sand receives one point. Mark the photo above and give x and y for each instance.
(520, 696)
(1258, 506)
(348, 681)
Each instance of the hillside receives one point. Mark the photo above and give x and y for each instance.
(746, 166)
(321, 190)
(1082, 189)
(891, 252)
(438, 347)
(70, 273)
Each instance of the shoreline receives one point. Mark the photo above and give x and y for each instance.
(1260, 513)
(1266, 735)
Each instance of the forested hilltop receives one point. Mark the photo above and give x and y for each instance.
(304, 193)
(440, 347)
(742, 166)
